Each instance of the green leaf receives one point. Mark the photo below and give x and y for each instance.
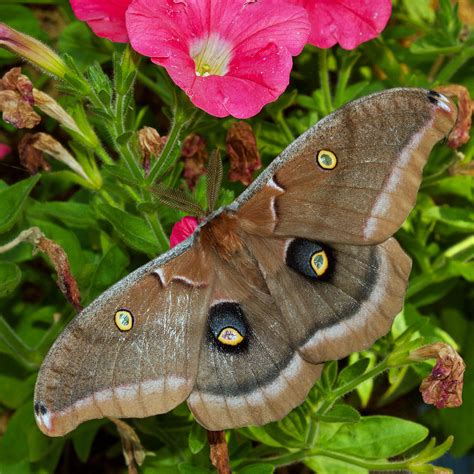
(83, 437)
(326, 465)
(352, 371)
(458, 218)
(260, 468)
(12, 201)
(14, 392)
(197, 438)
(329, 375)
(187, 468)
(377, 437)
(133, 230)
(78, 41)
(10, 277)
(73, 214)
(340, 413)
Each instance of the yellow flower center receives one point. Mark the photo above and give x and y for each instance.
(211, 56)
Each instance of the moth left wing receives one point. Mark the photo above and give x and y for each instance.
(133, 352)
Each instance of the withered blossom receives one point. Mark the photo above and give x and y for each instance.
(16, 100)
(243, 153)
(151, 145)
(460, 133)
(443, 387)
(194, 154)
(42, 142)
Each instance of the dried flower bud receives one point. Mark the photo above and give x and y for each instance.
(243, 153)
(50, 107)
(195, 155)
(151, 145)
(31, 158)
(42, 142)
(443, 387)
(32, 50)
(16, 100)
(460, 133)
(4, 150)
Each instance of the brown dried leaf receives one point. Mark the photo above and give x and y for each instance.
(460, 133)
(30, 157)
(194, 155)
(443, 387)
(243, 153)
(66, 281)
(132, 448)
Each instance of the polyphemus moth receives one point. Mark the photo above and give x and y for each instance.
(239, 319)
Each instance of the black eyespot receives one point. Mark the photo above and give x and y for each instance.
(40, 408)
(309, 258)
(228, 327)
(434, 97)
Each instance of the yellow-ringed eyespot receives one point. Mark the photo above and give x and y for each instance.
(230, 337)
(124, 320)
(327, 159)
(319, 262)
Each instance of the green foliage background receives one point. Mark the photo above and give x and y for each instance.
(353, 421)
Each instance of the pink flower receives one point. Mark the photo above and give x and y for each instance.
(182, 230)
(105, 17)
(231, 57)
(4, 150)
(347, 22)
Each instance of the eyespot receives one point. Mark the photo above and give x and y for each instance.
(230, 337)
(228, 327)
(124, 320)
(327, 159)
(319, 262)
(309, 258)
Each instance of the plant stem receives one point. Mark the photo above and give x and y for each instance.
(146, 81)
(324, 79)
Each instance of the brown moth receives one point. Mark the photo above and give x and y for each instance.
(239, 318)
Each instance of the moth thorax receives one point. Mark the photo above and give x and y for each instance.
(222, 234)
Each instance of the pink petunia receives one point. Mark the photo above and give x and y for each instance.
(231, 57)
(105, 17)
(182, 230)
(4, 150)
(347, 22)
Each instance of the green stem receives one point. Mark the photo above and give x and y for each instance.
(180, 123)
(454, 65)
(324, 79)
(288, 133)
(147, 82)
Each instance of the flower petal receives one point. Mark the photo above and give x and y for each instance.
(4, 150)
(347, 22)
(182, 230)
(262, 37)
(105, 17)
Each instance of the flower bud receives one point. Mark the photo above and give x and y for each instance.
(32, 50)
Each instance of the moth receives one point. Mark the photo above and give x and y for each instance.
(239, 319)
